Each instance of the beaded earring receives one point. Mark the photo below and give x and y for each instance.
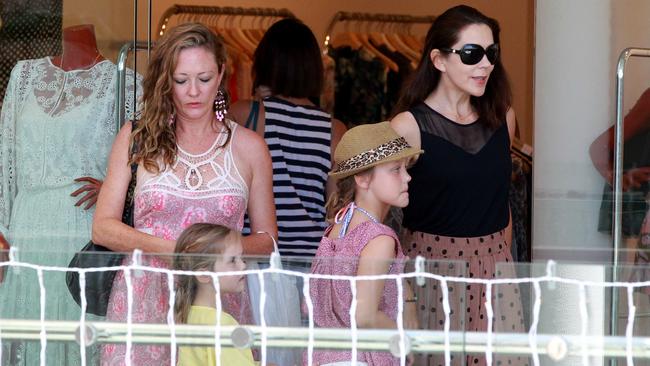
(172, 118)
(220, 106)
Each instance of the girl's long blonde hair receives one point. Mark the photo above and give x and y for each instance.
(201, 242)
(344, 194)
(154, 137)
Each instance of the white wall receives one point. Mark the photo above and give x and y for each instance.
(573, 105)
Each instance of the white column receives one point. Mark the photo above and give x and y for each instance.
(573, 105)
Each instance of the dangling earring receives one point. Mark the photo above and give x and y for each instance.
(220, 106)
(172, 118)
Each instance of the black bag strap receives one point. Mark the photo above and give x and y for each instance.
(127, 214)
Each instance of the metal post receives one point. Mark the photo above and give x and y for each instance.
(149, 10)
(618, 174)
(120, 92)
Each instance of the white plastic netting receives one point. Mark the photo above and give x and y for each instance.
(399, 341)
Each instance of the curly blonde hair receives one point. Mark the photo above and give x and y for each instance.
(153, 136)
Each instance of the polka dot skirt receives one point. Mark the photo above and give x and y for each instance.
(466, 257)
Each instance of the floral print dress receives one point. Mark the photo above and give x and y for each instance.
(197, 188)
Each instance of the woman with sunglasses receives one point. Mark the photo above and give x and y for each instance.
(457, 109)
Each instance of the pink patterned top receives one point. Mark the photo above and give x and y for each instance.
(332, 298)
(197, 188)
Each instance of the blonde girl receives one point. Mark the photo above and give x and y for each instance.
(371, 177)
(208, 247)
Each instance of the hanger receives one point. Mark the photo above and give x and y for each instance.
(364, 38)
(365, 41)
(379, 38)
(246, 34)
(401, 46)
(346, 38)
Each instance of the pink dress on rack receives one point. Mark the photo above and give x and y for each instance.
(332, 298)
(197, 188)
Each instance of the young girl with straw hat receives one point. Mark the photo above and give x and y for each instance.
(371, 176)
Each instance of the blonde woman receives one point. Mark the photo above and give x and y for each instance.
(194, 166)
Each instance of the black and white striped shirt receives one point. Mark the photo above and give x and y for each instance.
(298, 138)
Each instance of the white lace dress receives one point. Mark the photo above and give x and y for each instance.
(55, 126)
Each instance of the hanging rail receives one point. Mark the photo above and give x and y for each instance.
(342, 16)
(617, 213)
(218, 10)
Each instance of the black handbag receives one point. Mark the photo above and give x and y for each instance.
(99, 284)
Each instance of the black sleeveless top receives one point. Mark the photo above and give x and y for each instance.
(460, 184)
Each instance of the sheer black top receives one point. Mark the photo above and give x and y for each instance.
(460, 184)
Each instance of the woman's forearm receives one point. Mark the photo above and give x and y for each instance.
(118, 237)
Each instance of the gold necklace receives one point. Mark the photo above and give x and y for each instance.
(447, 113)
(81, 68)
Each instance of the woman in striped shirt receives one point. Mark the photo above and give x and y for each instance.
(301, 137)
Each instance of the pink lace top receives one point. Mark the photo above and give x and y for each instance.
(198, 188)
(332, 298)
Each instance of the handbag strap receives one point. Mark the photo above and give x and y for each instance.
(127, 213)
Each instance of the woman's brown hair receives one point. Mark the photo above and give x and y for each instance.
(154, 137)
(493, 105)
(201, 242)
(288, 60)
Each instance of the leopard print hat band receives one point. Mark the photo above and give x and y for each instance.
(365, 146)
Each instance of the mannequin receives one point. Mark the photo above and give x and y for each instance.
(58, 123)
(79, 52)
(79, 48)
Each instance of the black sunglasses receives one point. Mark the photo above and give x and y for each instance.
(471, 54)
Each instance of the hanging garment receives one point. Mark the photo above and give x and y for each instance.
(360, 87)
(520, 202)
(636, 154)
(56, 126)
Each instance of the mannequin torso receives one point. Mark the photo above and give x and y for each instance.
(79, 48)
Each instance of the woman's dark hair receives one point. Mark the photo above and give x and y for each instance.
(493, 105)
(288, 61)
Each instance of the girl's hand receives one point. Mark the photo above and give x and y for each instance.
(91, 188)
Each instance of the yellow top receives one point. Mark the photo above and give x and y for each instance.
(199, 356)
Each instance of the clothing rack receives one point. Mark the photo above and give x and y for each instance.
(343, 16)
(210, 14)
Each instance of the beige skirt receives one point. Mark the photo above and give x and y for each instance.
(466, 257)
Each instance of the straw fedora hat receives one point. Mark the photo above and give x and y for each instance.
(365, 146)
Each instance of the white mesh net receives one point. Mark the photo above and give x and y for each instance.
(399, 341)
